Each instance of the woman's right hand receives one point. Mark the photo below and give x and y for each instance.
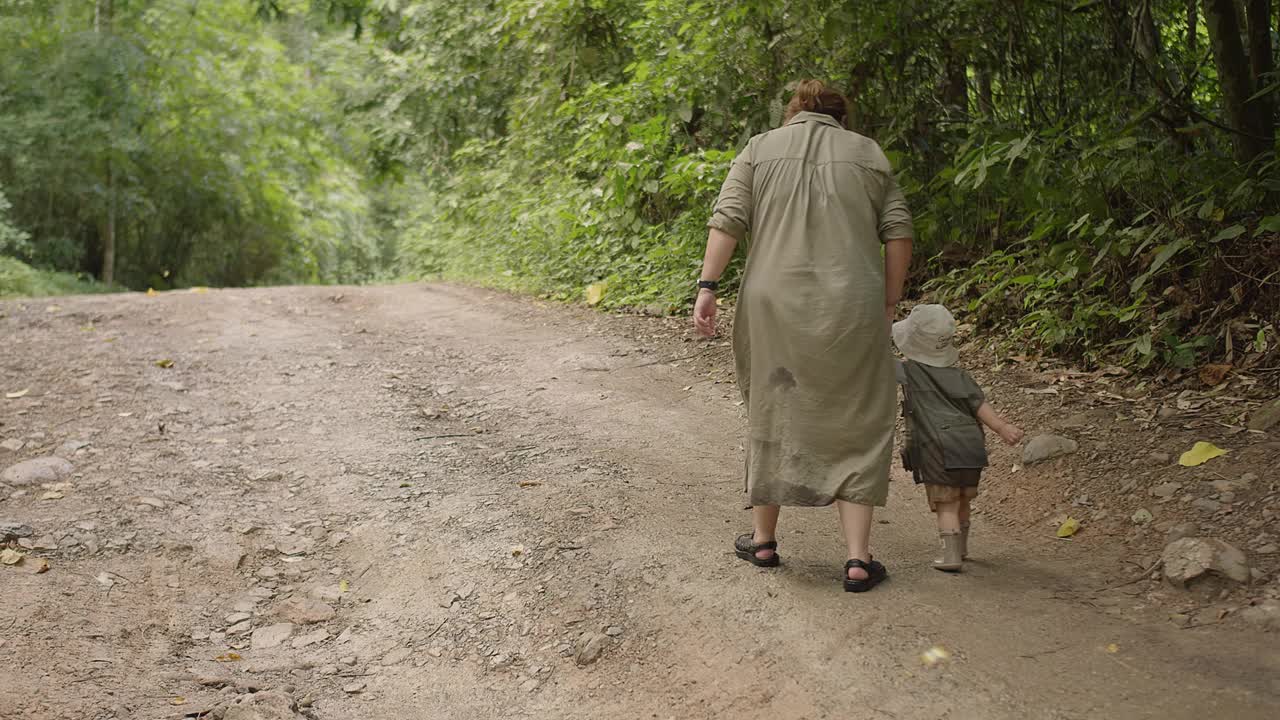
(704, 313)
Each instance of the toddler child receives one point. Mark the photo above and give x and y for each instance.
(945, 447)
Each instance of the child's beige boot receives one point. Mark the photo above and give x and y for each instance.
(964, 541)
(951, 560)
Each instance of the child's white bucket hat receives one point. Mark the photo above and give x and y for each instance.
(928, 336)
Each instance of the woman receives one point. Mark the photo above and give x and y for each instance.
(811, 337)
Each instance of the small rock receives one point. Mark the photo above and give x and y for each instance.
(448, 599)
(1141, 516)
(309, 639)
(1265, 615)
(435, 652)
(1268, 549)
(327, 670)
(613, 631)
(236, 617)
(529, 685)
(70, 447)
(1181, 530)
(353, 688)
(304, 610)
(1227, 498)
(397, 656)
(1266, 416)
(11, 530)
(154, 502)
(590, 648)
(12, 444)
(271, 635)
(1045, 447)
(1206, 505)
(241, 628)
(1190, 558)
(349, 660)
(1247, 479)
(1160, 458)
(1166, 490)
(268, 705)
(49, 469)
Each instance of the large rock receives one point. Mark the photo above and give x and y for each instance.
(304, 610)
(270, 705)
(1265, 615)
(1190, 559)
(1266, 416)
(1044, 447)
(37, 470)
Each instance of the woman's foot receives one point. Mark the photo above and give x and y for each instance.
(760, 554)
(860, 576)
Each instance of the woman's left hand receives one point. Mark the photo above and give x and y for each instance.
(704, 313)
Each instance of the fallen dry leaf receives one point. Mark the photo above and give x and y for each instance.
(165, 363)
(517, 550)
(343, 586)
(1201, 453)
(151, 292)
(18, 394)
(41, 566)
(530, 483)
(179, 700)
(1113, 648)
(9, 556)
(1068, 527)
(200, 289)
(52, 495)
(228, 657)
(1213, 375)
(595, 292)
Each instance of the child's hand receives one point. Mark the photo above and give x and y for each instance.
(1010, 433)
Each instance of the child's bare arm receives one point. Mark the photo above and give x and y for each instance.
(1007, 431)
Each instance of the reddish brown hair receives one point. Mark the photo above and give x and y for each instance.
(815, 96)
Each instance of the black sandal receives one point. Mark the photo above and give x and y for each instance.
(746, 548)
(875, 570)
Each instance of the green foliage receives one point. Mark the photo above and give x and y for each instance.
(17, 279)
(216, 141)
(1068, 165)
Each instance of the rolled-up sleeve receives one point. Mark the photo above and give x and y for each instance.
(733, 209)
(895, 217)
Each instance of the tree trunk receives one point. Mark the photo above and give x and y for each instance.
(986, 99)
(955, 86)
(1253, 133)
(1262, 62)
(103, 12)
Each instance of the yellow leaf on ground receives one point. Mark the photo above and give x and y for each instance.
(228, 657)
(1201, 453)
(343, 586)
(179, 700)
(1113, 648)
(18, 394)
(200, 289)
(151, 292)
(935, 655)
(9, 556)
(165, 363)
(41, 566)
(1068, 527)
(595, 292)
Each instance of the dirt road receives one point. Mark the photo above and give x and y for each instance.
(431, 502)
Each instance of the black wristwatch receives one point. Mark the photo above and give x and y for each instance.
(711, 285)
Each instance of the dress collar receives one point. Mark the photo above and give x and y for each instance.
(823, 118)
